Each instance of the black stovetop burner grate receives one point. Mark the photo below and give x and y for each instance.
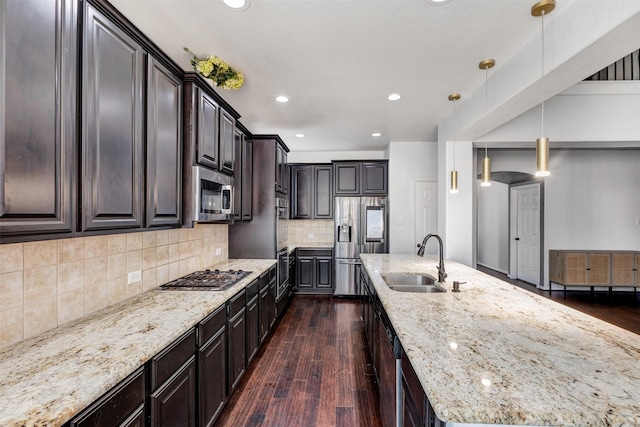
(211, 280)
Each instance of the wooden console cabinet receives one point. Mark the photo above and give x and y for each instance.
(594, 268)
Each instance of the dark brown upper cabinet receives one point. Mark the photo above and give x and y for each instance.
(301, 191)
(374, 178)
(323, 192)
(38, 111)
(243, 173)
(311, 191)
(113, 76)
(282, 179)
(247, 179)
(209, 127)
(347, 178)
(164, 146)
(227, 142)
(361, 178)
(208, 131)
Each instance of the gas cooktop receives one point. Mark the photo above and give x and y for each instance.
(207, 280)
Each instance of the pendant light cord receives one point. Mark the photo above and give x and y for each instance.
(542, 81)
(486, 110)
(454, 134)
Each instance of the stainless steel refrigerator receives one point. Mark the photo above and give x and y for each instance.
(360, 227)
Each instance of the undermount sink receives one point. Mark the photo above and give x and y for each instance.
(412, 283)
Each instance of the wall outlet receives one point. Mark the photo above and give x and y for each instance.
(135, 276)
(311, 236)
(218, 251)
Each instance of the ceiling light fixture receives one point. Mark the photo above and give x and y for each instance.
(486, 162)
(454, 173)
(376, 134)
(542, 8)
(237, 4)
(438, 2)
(300, 135)
(394, 97)
(282, 98)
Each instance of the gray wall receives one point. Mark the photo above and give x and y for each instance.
(592, 201)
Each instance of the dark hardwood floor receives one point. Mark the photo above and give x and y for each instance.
(618, 308)
(314, 370)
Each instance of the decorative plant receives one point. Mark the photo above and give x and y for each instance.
(218, 71)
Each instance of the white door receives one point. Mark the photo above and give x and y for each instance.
(525, 233)
(425, 213)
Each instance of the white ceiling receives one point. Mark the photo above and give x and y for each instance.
(338, 60)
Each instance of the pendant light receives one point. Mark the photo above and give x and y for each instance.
(454, 173)
(486, 162)
(542, 8)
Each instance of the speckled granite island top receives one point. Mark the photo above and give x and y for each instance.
(544, 363)
(46, 380)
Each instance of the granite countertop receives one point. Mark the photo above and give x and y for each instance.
(49, 378)
(543, 363)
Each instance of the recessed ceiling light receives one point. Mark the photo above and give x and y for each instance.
(437, 2)
(376, 134)
(282, 98)
(394, 97)
(237, 4)
(300, 135)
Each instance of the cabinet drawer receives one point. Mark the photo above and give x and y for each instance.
(212, 324)
(116, 405)
(252, 290)
(263, 280)
(237, 303)
(315, 252)
(165, 363)
(272, 273)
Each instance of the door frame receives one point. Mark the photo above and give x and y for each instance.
(513, 221)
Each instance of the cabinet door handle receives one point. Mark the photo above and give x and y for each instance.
(517, 238)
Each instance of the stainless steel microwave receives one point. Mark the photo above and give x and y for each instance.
(213, 198)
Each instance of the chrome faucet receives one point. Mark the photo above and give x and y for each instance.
(441, 273)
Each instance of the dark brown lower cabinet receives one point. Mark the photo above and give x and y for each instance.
(263, 312)
(253, 321)
(121, 406)
(237, 326)
(314, 271)
(272, 301)
(173, 384)
(413, 397)
(414, 408)
(173, 404)
(190, 381)
(212, 366)
(385, 365)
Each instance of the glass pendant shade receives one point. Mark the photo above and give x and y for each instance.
(542, 157)
(454, 181)
(486, 172)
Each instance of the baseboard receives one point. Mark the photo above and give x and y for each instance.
(490, 267)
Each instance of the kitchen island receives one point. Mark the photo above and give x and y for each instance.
(48, 379)
(494, 353)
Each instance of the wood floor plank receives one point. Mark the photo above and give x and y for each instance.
(314, 370)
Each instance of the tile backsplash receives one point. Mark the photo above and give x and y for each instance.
(311, 231)
(45, 284)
